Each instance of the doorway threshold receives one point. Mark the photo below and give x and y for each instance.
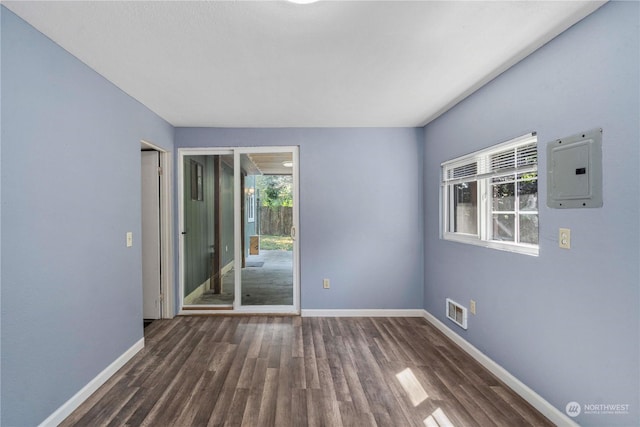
(237, 313)
(207, 308)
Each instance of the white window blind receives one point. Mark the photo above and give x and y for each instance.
(519, 155)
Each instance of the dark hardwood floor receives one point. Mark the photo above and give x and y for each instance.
(292, 371)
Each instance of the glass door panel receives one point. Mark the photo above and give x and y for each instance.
(267, 195)
(208, 230)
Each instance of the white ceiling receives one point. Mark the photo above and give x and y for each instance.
(278, 64)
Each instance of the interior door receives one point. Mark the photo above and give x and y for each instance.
(151, 267)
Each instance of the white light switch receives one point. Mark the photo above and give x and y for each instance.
(129, 239)
(564, 238)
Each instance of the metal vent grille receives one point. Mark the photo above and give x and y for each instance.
(457, 313)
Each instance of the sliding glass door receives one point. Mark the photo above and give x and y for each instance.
(239, 219)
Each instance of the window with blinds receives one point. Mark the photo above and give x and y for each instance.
(490, 197)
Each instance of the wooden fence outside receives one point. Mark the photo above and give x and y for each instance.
(276, 220)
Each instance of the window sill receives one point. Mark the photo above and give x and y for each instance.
(531, 250)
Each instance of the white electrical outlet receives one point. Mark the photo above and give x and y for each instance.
(564, 238)
(472, 307)
(326, 284)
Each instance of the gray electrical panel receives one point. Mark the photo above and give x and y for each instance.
(574, 171)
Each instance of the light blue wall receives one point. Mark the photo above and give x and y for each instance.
(566, 323)
(71, 290)
(360, 211)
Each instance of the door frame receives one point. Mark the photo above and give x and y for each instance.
(167, 307)
(237, 307)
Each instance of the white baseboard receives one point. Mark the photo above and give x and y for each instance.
(362, 313)
(72, 404)
(545, 408)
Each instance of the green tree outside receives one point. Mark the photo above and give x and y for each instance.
(275, 190)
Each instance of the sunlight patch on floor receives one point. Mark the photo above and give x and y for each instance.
(412, 386)
(438, 419)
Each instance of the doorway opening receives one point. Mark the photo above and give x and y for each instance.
(156, 233)
(268, 235)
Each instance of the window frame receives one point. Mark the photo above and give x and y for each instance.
(197, 181)
(482, 167)
(251, 206)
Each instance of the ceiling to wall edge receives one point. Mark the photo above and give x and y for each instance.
(588, 8)
(520, 56)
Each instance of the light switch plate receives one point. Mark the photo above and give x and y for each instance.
(129, 239)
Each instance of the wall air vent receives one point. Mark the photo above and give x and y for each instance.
(457, 313)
